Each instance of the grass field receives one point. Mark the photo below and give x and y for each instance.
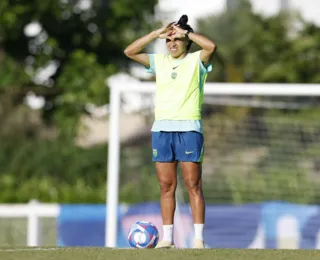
(151, 254)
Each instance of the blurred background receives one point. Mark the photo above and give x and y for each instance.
(262, 158)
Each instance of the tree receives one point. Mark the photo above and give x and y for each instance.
(79, 43)
(255, 48)
(75, 45)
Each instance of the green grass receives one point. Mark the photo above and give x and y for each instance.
(160, 254)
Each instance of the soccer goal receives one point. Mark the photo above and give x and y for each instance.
(262, 143)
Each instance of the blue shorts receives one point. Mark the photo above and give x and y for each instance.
(177, 146)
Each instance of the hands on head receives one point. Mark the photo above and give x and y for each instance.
(172, 29)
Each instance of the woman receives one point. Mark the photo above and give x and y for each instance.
(177, 130)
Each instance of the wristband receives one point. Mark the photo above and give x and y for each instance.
(187, 33)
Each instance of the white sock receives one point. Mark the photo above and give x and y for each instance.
(198, 231)
(168, 233)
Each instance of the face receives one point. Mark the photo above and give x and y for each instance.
(176, 46)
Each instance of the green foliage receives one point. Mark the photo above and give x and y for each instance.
(12, 75)
(86, 44)
(81, 82)
(138, 174)
(255, 48)
(51, 171)
(269, 157)
(38, 156)
(58, 171)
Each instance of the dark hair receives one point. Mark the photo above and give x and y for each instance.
(183, 23)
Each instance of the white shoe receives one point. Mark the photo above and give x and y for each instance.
(198, 244)
(165, 244)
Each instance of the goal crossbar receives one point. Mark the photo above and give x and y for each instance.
(237, 89)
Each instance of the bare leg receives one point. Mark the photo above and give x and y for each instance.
(193, 180)
(167, 176)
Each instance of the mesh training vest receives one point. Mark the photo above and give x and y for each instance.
(180, 98)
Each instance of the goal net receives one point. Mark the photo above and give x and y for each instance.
(262, 143)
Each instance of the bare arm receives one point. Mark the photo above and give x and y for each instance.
(133, 51)
(208, 46)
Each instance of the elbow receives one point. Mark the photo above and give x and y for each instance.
(213, 47)
(129, 52)
(126, 52)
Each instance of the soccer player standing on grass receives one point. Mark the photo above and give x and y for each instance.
(177, 131)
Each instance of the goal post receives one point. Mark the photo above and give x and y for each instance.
(118, 87)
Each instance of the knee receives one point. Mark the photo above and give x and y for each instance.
(167, 186)
(193, 186)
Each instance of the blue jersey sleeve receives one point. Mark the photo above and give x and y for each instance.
(152, 68)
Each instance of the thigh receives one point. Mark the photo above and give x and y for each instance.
(162, 149)
(167, 173)
(189, 146)
(192, 173)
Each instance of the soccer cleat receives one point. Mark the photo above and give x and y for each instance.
(164, 244)
(198, 244)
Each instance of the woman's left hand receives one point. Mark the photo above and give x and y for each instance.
(179, 32)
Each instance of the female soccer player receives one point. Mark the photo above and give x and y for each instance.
(177, 130)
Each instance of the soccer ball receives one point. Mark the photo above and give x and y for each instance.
(143, 234)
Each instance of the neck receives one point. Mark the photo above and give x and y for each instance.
(184, 54)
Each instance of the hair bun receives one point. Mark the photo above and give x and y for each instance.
(183, 20)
